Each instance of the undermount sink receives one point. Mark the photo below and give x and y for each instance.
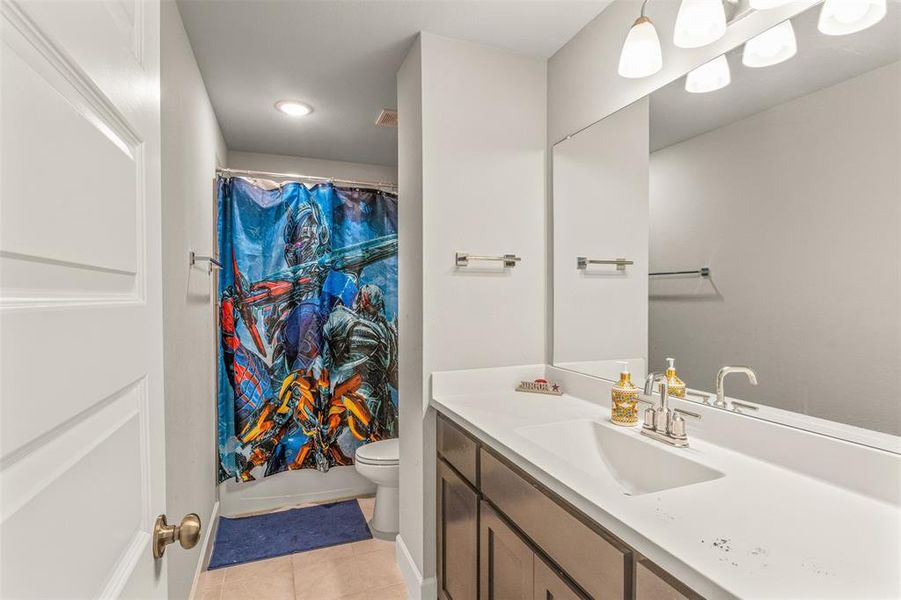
(637, 464)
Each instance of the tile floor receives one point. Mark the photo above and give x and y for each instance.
(359, 571)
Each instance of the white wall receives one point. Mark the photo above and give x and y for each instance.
(191, 148)
(415, 430)
(482, 158)
(278, 163)
(796, 210)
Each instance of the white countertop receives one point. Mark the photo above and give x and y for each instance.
(761, 531)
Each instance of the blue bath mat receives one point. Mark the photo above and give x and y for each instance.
(245, 539)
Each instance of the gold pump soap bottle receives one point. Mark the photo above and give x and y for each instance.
(625, 398)
(676, 385)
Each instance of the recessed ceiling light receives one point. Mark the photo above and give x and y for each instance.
(293, 108)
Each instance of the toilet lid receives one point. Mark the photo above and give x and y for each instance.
(382, 452)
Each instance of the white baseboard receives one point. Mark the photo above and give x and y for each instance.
(206, 551)
(417, 588)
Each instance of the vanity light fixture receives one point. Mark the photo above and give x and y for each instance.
(699, 22)
(841, 17)
(641, 55)
(293, 108)
(709, 77)
(773, 46)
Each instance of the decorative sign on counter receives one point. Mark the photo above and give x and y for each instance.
(539, 386)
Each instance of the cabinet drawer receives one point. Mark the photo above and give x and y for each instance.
(458, 449)
(593, 562)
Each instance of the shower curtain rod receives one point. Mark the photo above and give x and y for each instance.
(297, 176)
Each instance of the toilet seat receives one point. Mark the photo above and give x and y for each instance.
(381, 453)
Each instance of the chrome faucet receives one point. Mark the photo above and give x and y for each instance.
(721, 379)
(660, 422)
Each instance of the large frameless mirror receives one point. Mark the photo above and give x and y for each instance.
(748, 213)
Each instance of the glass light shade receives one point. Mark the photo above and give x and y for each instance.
(699, 23)
(773, 46)
(841, 17)
(709, 77)
(641, 55)
(766, 4)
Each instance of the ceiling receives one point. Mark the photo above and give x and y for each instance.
(342, 57)
(821, 61)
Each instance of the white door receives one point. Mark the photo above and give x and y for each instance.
(81, 410)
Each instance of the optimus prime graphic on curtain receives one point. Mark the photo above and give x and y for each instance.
(308, 336)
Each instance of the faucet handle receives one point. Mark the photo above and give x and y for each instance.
(687, 413)
(677, 423)
(737, 406)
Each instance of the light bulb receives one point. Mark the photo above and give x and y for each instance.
(767, 4)
(699, 23)
(841, 17)
(773, 46)
(641, 55)
(293, 108)
(709, 77)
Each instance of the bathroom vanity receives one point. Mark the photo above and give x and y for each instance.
(541, 496)
(502, 534)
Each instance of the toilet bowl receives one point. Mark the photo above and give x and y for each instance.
(379, 463)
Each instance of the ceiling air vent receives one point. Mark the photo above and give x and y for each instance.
(387, 118)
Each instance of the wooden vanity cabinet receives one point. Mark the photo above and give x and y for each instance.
(458, 536)
(652, 583)
(506, 562)
(551, 585)
(503, 536)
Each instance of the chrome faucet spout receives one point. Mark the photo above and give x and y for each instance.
(721, 380)
(661, 422)
(649, 383)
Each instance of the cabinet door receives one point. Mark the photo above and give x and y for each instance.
(551, 586)
(505, 561)
(651, 586)
(458, 536)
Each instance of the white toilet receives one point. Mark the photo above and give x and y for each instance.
(379, 463)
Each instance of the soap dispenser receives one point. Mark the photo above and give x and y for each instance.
(676, 385)
(625, 398)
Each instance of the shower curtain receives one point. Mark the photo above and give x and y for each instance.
(308, 337)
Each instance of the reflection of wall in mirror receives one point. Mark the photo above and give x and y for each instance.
(601, 212)
(796, 210)
(608, 369)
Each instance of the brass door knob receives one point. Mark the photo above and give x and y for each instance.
(187, 533)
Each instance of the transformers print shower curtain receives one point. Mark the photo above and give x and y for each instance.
(308, 337)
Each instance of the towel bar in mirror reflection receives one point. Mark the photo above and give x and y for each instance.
(702, 272)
